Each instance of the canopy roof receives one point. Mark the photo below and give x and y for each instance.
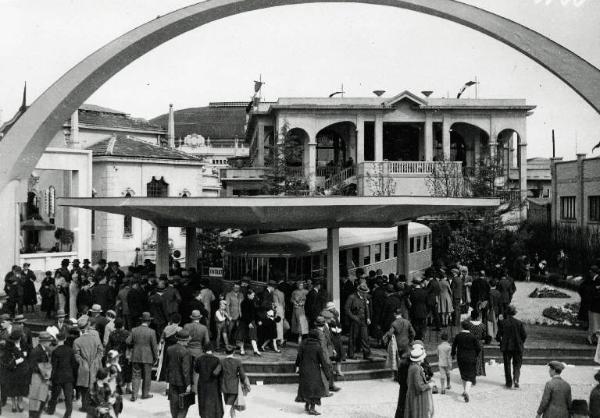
(278, 212)
(305, 241)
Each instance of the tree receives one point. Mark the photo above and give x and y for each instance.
(379, 182)
(446, 180)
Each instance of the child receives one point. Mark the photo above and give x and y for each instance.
(222, 320)
(444, 362)
(115, 379)
(101, 398)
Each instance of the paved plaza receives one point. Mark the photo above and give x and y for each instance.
(377, 398)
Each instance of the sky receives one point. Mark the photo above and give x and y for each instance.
(306, 51)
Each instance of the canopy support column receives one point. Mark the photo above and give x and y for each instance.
(333, 265)
(191, 247)
(162, 250)
(402, 266)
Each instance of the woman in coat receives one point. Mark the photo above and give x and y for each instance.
(210, 400)
(445, 301)
(247, 327)
(48, 294)
(332, 316)
(14, 371)
(310, 364)
(299, 321)
(478, 330)
(419, 401)
(39, 363)
(466, 348)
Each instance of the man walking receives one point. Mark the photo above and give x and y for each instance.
(234, 300)
(88, 353)
(179, 373)
(418, 313)
(359, 314)
(64, 370)
(199, 339)
(556, 401)
(144, 354)
(511, 334)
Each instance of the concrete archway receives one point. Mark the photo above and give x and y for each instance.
(24, 144)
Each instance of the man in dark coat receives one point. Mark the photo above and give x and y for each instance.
(512, 335)
(144, 354)
(480, 290)
(358, 312)
(594, 307)
(156, 307)
(310, 361)
(136, 301)
(64, 371)
(316, 299)
(378, 297)
(171, 300)
(456, 285)
(38, 388)
(556, 401)
(433, 293)
(103, 294)
(418, 313)
(179, 373)
(210, 399)
(98, 320)
(507, 288)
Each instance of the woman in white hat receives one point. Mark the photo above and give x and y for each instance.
(419, 402)
(332, 316)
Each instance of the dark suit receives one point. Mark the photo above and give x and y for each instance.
(456, 285)
(512, 335)
(556, 401)
(315, 303)
(64, 370)
(171, 300)
(103, 295)
(136, 302)
(358, 311)
(179, 376)
(100, 322)
(233, 372)
(433, 292)
(143, 356)
(418, 314)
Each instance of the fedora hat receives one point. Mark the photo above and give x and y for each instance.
(363, 288)
(182, 335)
(96, 308)
(83, 321)
(45, 336)
(417, 354)
(319, 321)
(330, 306)
(19, 318)
(196, 314)
(146, 317)
(60, 313)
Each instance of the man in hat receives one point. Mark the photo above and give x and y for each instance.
(512, 336)
(110, 325)
(98, 320)
(199, 338)
(403, 332)
(144, 354)
(328, 349)
(234, 300)
(456, 286)
(136, 302)
(316, 300)
(171, 299)
(121, 305)
(87, 269)
(156, 307)
(358, 311)
(179, 372)
(103, 294)
(418, 314)
(102, 267)
(64, 372)
(88, 353)
(26, 335)
(61, 324)
(39, 388)
(29, 294)
(266, 299)
(556, 400)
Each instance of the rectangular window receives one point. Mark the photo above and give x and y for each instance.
(395, 248)
(567, 207)
(594, 208)
(425, 242)
(386, 253)
(356, 257)
(366, 255)
(377, 252)
(127, 226)
(412, 245)
(418, 244)
(93, 222)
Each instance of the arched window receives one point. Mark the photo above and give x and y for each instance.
(157, 188)
(127, 222)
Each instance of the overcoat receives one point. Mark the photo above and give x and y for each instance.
(210, 400)
(556, 400)
(39, 388)
(143, 341)
(419, 402)
(88, 353)
(311, 361)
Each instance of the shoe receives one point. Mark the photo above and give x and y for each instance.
(306, 407)
(313, 412)
(507, 386)
(132, 399)
(466, 397)
(434, 390)
(329, 395)
(20, 408)
(448, 387)
(516, 384)
(14, 410)
(335, 388)
(257, 354)
(278, 351)
(147, 396)
(443, 391)
(128, 391)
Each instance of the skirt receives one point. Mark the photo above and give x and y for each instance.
(230, 398)
(299, 322)
(468, 370)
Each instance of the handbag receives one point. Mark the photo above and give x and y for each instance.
(186, 400)
(45, 370)
(240, 401)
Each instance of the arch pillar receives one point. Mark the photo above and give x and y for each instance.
(162, 250)
(446, 124)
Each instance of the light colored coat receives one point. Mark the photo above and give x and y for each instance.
(88, 353)
(143, 340)
(445, 354)
(419, 402)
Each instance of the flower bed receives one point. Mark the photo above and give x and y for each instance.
(547, 292)
(564, 315)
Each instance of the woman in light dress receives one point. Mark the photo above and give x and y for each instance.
(279, 304)
(445, 300)
(299, 321)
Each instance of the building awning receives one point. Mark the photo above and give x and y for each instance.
(276, 212)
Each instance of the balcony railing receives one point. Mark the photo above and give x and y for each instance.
(327, 171)
(340, 177)
(295, 171)
(408, 167)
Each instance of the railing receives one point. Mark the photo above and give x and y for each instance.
(295, 171)
(327, 171)
(340, 177)
(509, 195)
(409, 167)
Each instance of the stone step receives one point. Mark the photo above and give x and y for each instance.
(282, 378)
(289, 366)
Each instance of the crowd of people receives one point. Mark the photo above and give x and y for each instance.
(113, 325)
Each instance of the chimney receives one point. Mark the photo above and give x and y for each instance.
(75, 127)
(171, 128)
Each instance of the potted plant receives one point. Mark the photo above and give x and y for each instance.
(65, 237)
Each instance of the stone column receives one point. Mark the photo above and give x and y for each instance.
(260, 146)
(171, 128)
(310, 164)
(379, 137)
(360, 140)
(402, 260)
(333, 265)
(10, 225)
(522, 155)
(191, 247)
(162, 250)
(75, 128)
(554, 206)
(579, 201)
(446, 138)
(428, 141)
